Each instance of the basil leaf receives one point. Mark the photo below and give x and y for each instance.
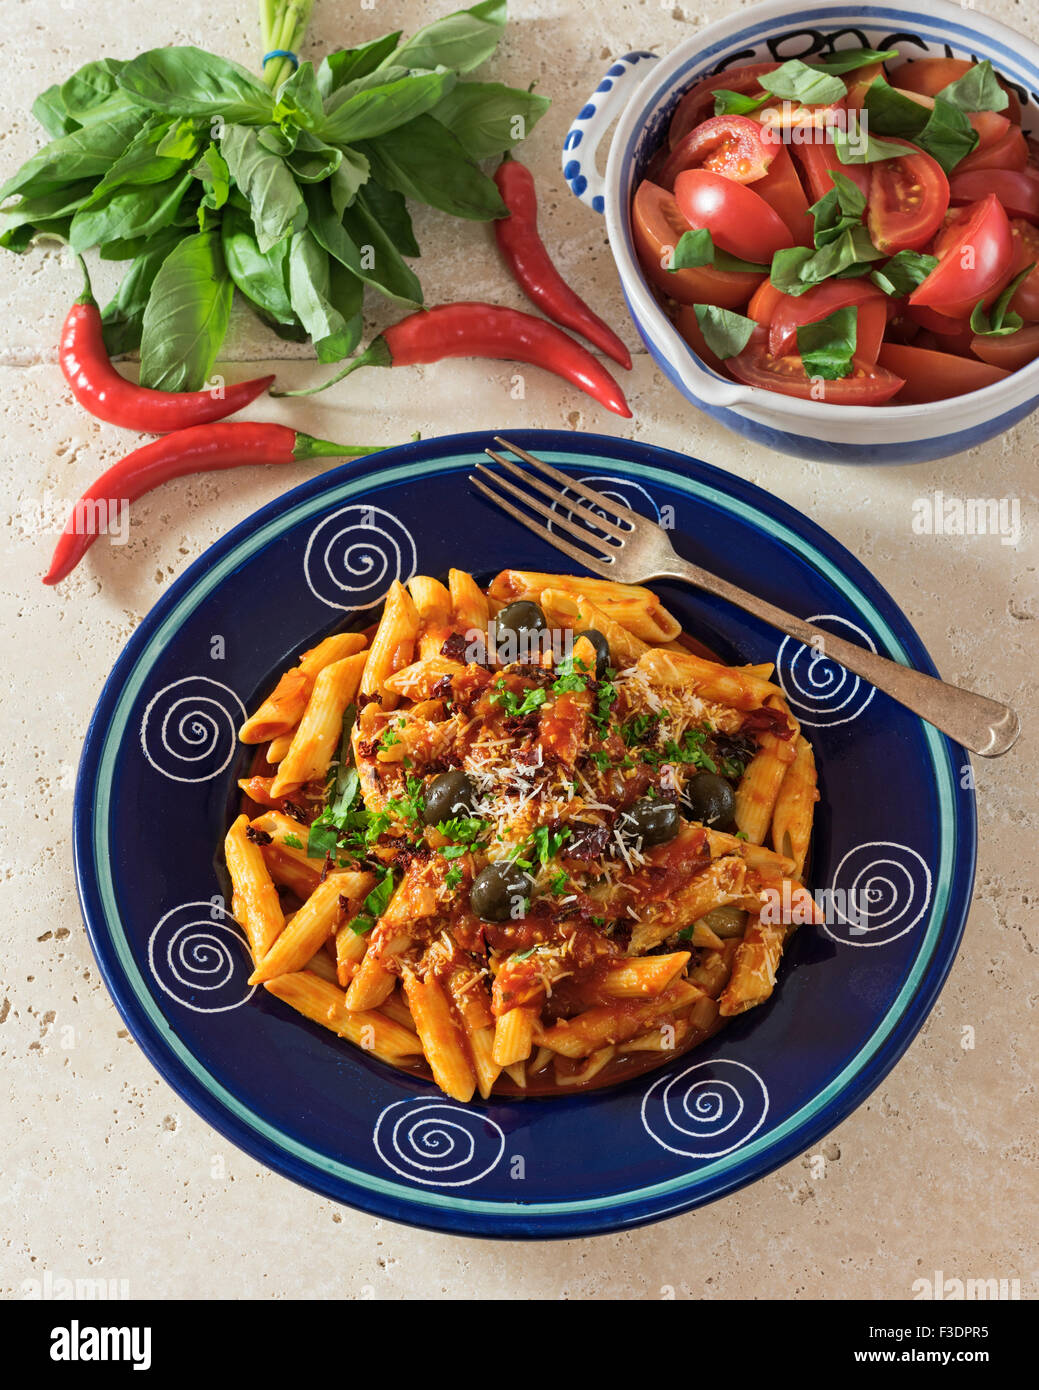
(181, 141)
(855, 146)
(90, 86)
(82, 154)
(141, 163)
(129, 212)
(262, 278)
(891, 112)
(1001, 319)
(347, 64)
(696, 248)
(298, 96)
(423, 160)
(274, 198)
(353, 173)
(797, 268)
(977, 90)
(215, 176)
(361, 243)
(796, 81)
(390, 211)
(948, 135)
(839, 210)
(460, 41)
(905, 270)
(187, 315)
(122, 320)
(488, 118)
(33, 213)
(848, 59)
(312, 161)
(827, 346)
(367, 114)
(728, 103)
(724, 332)
(310, 288)
(191, 82)
(50, 110)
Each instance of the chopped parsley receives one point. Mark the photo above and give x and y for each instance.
(605, 699)
(292, 842)
(454, 876)
(375, 904)
(532, 699)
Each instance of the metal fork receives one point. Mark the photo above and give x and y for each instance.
(630, 549)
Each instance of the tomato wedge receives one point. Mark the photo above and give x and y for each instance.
(656, 225)
(1025, 240)
(936, 376)
(950, 335)
(908, 198)
(688, 325)
(793, 312)
(781, 189)
(859, 82)
(1010, 352)
(738, 219)
(867, 385)
(1011, 152)
(764, 302)
(698, 102)
(728, 145)
(1016, 189)
(932, 75)
(818, 158)
(975, 252)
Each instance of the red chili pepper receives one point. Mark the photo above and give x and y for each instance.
(473, 329)
(103, 392)
(201, 449)
(532, 267)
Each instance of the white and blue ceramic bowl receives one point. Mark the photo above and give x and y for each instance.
(641, 91)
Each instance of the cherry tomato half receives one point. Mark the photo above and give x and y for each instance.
(656, 226)
(764, 302)
(817, 159)
(949, 335)
(738, 219)
(1025, 240)
(936, 376)
(974, 255)
(782, 190)
(1016, 189)
(1010, 352)
(698, 102)
(867, 385)
(932, 75)
(728, 145)
(792, 312)
(908, 198)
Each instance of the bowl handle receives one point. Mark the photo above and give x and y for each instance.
(591, 123)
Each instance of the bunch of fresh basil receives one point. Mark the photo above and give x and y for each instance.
(190, 168)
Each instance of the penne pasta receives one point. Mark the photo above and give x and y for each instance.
(440, 1036)
(393, 645)
(516, 836)
(320, 729)
(313, 924)
(255, 904)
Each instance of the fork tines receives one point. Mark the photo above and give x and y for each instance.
(566, 512)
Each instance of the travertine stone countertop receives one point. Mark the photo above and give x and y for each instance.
(104, 1172)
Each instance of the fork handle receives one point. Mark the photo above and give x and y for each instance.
(985, 726)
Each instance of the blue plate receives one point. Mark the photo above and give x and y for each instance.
(157, 784)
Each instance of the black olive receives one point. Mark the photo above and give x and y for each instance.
(602, 649)
(710, 800)
(519, 624)
(653, 822)
(500, 891)
(450, 794)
